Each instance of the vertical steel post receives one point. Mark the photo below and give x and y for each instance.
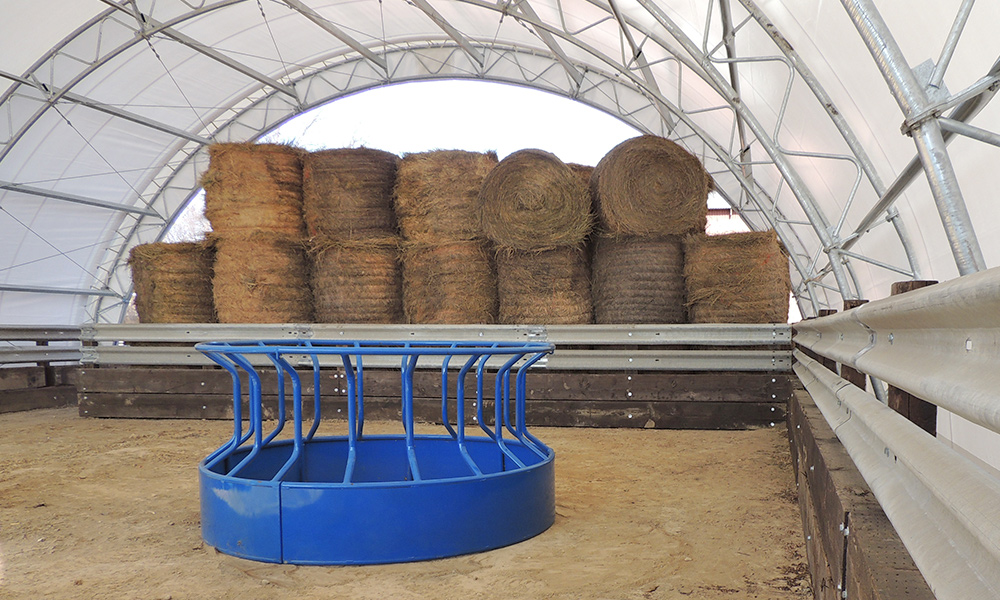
(926, 134)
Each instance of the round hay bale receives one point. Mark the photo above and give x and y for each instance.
(549, 287)
(531, 201)
(262, 278)
(638, 280)
(736, 278)
(173, 282)
(449, 283)
(436, 194)
(254, 187)
(649, 185)
(347, 192)
(357, 281)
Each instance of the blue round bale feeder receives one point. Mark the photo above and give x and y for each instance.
(365, 499)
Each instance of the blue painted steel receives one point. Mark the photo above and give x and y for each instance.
(362, 499)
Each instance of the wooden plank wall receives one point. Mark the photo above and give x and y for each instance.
(27, 388)
(851, 545)
(721, 400)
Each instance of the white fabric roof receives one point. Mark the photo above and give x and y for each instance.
(106, 105)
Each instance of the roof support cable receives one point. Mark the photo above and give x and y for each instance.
(47, 242)
(121, 176)
(277, 51)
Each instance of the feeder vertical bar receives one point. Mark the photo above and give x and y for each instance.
(520, 406)
(234, 442)
(460, 414)
(444, 395)
(255, 410)
(359, 398)
(316, 395)
(506, 401)
(298, 452)
(411, 453)
(480, 371)
(281, 400)
(352, 440)
(503, 375)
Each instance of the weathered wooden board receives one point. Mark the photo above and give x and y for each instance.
(39, 397)
(544, 385)
(21, 377)
(865, 557)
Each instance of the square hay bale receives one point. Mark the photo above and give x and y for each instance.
(638, 280)
(449, 283)
(173, 282)
(347, 193)
(357, 281)
(436, 194)
(549, 287)
(736, 278)
(262, 278)
(254, 187)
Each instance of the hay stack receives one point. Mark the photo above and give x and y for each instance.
(531, 201)
(736, 278)
(639, 280)
(254, 187)
(347, 193)
(448, 283)
(262, 278)
(436, 192)
(357, 281)
(650, 186)
(173, 282)
(544, 287)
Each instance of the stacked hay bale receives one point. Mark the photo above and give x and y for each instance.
(649, 193)
(737, 278)
(253, 199)
(447, 274)
(536, 211)
(347, 204)
(173, 282)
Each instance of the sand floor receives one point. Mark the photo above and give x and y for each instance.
(109, 509)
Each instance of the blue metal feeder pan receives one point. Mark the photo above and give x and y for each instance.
(365, 499)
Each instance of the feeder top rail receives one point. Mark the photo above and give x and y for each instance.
(374, 348)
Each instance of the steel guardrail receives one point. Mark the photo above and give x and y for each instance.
(585, 347)
(945, 508)
(940, 343)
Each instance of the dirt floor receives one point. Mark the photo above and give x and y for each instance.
(109, 509)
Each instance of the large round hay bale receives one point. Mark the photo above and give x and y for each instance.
(549, 287)
(531, 201)
(436, 194)
(254, 187)
(649, 185)
(638, 280)
(357, 281)
(173, 282)
(736, 278)
(347, 192)
(449, 283)
(262, 278)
